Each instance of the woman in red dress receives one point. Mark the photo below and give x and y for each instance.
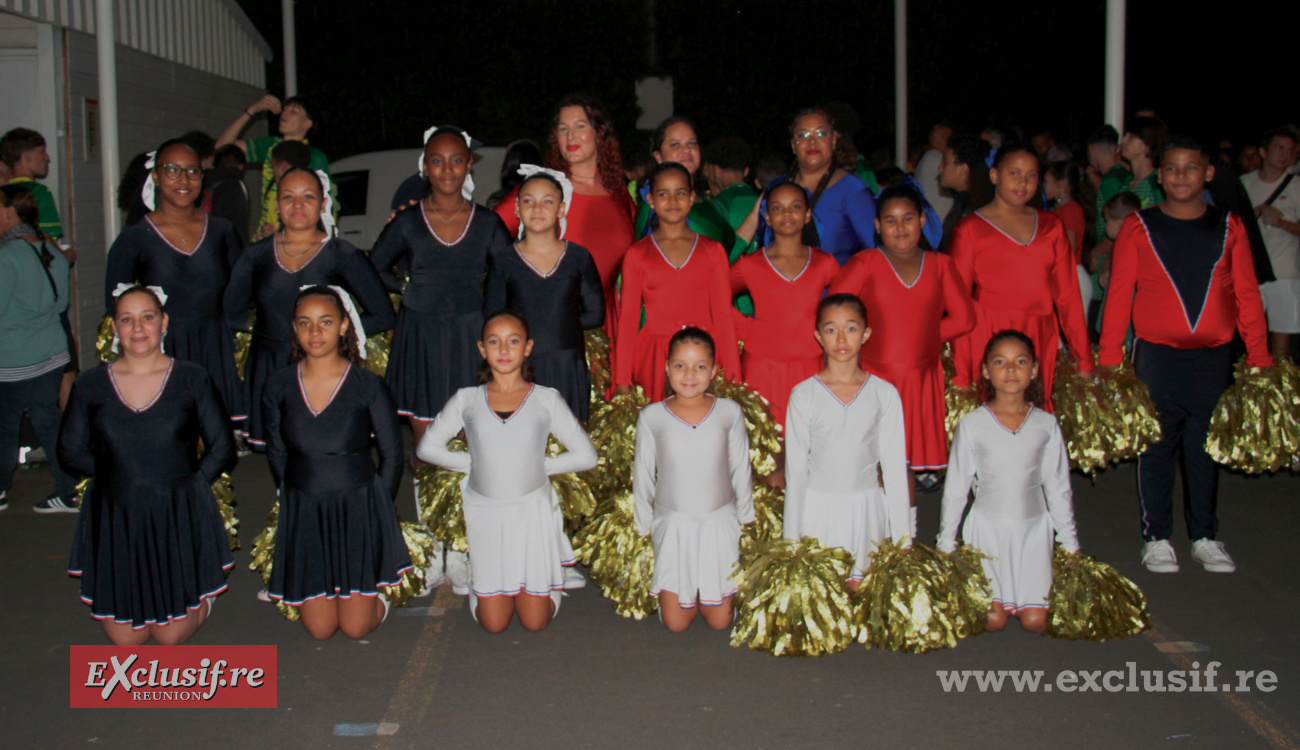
(583, 146)
(682, 279)
(1018, 263)
(786, 279)
(915, 302)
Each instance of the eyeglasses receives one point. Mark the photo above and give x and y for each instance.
(173, 171)
(804, 135)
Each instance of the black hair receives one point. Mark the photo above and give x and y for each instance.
(900, 192)
(320, 188)
(667, 166)
(1067, 172)
(349, 344)
(837, 157)
(204, 145)
(229, 156)
(1035, 393)
(1106, 134)
(128, 190)
(768, 164)
(845, 116)
(1267, 139)
(808, 236)
(17, 142)
(484, 374)
(294, 153)
(1120, 205)
(1182, 143)
(544, 177)
(841, 299)
(1011, 148)
(889, 176)
(316, 117)
(730, 153)
(443, 130)
(973, 151)
(690, 335)
(661, 132)
(24, 202)
(517, 154)
(158, 153)
(137, 289)
(1151, 132)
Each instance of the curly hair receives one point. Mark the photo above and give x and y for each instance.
(609, 156)
(1035, 393)
(349, 345)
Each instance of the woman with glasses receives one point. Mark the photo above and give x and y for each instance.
(182, 249)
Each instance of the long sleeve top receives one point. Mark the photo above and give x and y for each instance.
(507, 455)
(691, 468)
(30, 302)
(194, 281)
(834, 448)
(1017, 474)
(558, 305)
(1185, 283)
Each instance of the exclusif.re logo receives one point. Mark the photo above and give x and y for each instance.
(181, 676)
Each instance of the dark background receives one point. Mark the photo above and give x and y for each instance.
(382, 72)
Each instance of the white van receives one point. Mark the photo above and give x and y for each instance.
(366, 183)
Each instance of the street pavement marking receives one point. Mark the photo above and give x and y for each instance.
(1266, 722)
(383, 728)
(417, 690)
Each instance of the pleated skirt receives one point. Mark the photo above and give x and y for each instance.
(695, 554)
(432, 357)
(516, 544)
(1020, 568)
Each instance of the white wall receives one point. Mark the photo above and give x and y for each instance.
(157, 100)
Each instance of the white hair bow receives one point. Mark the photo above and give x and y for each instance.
(122, 288)
(566, 191)
(353, 315)
(327, 204)
(467, 187)
(150, 189)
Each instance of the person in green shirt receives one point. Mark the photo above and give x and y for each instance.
(726, 170)
(23, 151)
(1142, 141)
(1103, 156)
(675, 140)
(297, 120)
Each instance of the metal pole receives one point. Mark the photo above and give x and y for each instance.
(900, 82)
(1115, 32)
(106, 55)
(290, 49)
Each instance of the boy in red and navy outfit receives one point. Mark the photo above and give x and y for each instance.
(1182, 271)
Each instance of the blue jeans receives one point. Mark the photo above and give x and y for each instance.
(40, 397)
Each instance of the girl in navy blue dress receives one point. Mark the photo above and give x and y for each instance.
(339, 537)
(179, 247)
(270, 273)
(150, 547)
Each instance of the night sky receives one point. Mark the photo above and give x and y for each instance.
(382, 71)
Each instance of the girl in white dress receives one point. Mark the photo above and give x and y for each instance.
(1012, 453)
(691, 484)
(843, 435)
(516, 538)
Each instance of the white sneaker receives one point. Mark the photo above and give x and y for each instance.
(457, 571)
(1159, 557)
(573, 578)
(1213, 556)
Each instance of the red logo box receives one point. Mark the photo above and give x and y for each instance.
(172, 677)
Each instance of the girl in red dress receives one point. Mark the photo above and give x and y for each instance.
(915, 302)
(682, 279)
(786, 279)
(1018, 263)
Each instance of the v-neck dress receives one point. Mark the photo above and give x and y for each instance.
(512, 518)
(692, 491)
(835, 456)
(780, 351)
(558, 305)
(339, 535)
(194, 282)
(1030, 287)
(909, 325)
(435, 343)
(150, 542)
(1023, 502)
(697, 293)
(262, 284)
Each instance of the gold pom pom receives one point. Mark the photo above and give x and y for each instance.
(769, 515)
(958, 402)
(104, 339)
(437, 491)
(618, 559)
(264, 559)
(597, 344)
(1092, 601)
(243, 343)
(420, 546)
(575, 497)
(764, 432)
(379, 344)
(918, 599)
(224, 491)
(1256, 425)
(612, 428)
(1139, 420)
(792, 600)
(1105, 419)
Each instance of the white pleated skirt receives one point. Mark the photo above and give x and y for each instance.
(515, 544)
(695, 554)
(855, 522)
(1021, 550)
